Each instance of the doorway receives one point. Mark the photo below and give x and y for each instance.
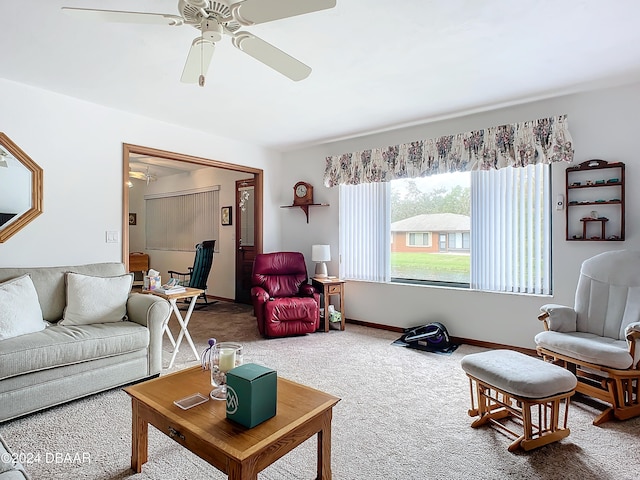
(162, 156)
(245, 238)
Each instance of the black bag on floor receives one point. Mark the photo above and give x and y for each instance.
(432, 337)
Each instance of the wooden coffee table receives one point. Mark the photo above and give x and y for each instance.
(233, 449)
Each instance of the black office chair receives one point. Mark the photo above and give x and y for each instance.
(197, 275)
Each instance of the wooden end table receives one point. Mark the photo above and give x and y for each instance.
(330, 286)
(240, 452)
(173, 298)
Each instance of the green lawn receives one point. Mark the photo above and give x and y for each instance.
(442, 267)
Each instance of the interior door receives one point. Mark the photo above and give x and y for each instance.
(245, 238)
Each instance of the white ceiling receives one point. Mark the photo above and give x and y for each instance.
(376, 64)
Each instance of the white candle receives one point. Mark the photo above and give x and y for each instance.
(227, 359)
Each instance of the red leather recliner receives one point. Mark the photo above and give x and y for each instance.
(283, 302)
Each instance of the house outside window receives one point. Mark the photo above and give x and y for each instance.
(427, 246)
(418, 239)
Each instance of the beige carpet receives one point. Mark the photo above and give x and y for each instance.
(403, 415)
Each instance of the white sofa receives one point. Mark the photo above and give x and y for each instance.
(69, 357)
(10, 467)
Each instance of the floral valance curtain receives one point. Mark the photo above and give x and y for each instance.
(545, 140)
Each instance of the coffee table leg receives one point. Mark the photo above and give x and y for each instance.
(237, 471)
(139, 438)
(324, 448)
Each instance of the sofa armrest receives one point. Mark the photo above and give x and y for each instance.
(10, 467)
(558, 318)
(152, 312)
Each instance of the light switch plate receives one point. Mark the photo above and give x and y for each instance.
(112, 236)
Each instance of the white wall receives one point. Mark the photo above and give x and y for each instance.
(603, 125)
(79, 146)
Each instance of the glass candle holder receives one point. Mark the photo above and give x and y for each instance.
(224, 357)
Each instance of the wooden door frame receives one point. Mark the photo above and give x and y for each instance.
(128, 149)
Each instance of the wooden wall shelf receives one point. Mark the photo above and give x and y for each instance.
(305, 208)
(591, 185)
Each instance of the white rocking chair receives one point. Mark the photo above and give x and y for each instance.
(597, 338)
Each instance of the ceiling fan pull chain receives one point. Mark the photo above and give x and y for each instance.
(201, 78)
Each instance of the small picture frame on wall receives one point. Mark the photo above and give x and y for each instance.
(133, 219)
(225, 216)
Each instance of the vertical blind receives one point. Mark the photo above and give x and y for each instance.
(179, 220)
(510, 229)
(365, 235)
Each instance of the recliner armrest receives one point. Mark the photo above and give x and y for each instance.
(558, 318)
(306, 290)
(259, 295)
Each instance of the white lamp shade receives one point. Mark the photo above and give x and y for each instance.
(320, 253)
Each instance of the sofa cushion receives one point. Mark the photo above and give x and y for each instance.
(49, 283)
(64, 345)
(96, 299)
(20, 311)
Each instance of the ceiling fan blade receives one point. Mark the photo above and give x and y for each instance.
(251, 12)
(271, 56)
(124, 17)
(198, 60)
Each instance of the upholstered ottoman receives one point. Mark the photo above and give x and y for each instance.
(507, 384)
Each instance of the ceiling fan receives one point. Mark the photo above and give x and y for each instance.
(215, 18)
(146, 175)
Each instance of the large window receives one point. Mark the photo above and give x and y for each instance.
(487, 230)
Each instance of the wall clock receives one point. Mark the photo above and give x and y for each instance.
(302, 194)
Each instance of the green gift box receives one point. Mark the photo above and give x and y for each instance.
(252, 394)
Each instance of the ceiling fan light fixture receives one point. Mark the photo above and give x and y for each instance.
(211, 30)
(146, 176)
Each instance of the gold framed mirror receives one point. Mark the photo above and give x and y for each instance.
(20, 191)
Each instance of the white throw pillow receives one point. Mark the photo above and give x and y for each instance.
(20, 311)
(96, 299)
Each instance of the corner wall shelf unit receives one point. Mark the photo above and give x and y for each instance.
(305, 208)
(595, 183)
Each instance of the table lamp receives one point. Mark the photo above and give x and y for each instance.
(320, 254)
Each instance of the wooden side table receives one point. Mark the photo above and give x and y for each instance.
(138, 262)
(330, 286)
